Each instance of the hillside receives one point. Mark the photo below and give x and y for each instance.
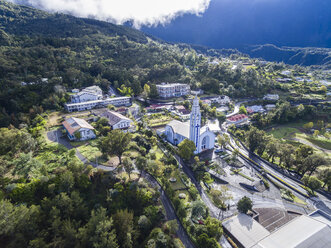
(73, 53)
(292, 55)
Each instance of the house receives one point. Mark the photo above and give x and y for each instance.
(222, 100)
(116, 120)
(223, 109)
(166, 90)
(237, 119)
(78, 129)
(116, 101)
(177, 131)
(270, 107)
(286, 73)
(271, 97)
(181, 112)
(197, 92)
(91, 93)
(255, 109)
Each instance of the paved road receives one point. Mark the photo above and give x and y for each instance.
(321, 202)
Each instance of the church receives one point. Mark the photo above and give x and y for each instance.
(176, 131)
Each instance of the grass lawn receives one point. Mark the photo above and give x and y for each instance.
(318, 141)
(89, 152)
(188, 197)
(178, 184)
(283, 132)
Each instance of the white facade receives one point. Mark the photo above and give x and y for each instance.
(116, 120)
(91, 93)
(116, 101)
(222, 100)
(271, 97)
(202, 137)
(172, 90)
(78, 129)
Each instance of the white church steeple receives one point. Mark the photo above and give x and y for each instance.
(195, 124)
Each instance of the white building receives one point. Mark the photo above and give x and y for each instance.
(116, 120)
(202, 137)
(255, 109)
(270, 107)
(91, 93)
(222, 100)
(286, 73)
(271, 97)
(116, 101)
(172, 90)
(78, 129)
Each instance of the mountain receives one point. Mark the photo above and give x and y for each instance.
(240, 24)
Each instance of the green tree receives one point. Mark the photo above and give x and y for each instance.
(312, 182)
(214, 228)
(244, 204)
(141, 163)
(99, 231)
(186, 149)
(198, 209)
(123, 223)
(204, 241)
(128, 166)
(242, 110)
(115, 143)
(153, 91)
(308, 125)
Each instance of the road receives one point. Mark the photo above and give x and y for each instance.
(321, 202)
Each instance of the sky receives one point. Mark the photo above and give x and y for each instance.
(139, 12)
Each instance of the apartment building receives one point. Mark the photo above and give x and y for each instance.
(167, 90)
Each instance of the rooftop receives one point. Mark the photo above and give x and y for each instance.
(182, 128)
(73, 124)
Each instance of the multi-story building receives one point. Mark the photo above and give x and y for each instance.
(166, 90)
(91, 93)
(116, 101)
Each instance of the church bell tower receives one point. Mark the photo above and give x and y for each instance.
(195, 124)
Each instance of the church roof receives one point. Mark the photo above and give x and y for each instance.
(182, 128)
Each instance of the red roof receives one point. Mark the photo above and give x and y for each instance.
(237, 117)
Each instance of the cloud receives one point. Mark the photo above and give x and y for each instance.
(140, 12)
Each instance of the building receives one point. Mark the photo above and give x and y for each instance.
(116, 101)
(222, 100)
(78, 129)
(116, 120)
(172, 90)
(91, 93)
(312, 231)
(286, 73)
(270, 107)
(271, 97)
(197, 92)
(202, 137)
(237, 119)
(255, 109)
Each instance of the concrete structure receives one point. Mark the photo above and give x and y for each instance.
(91, 93)
(116, 101)
(313, 231)
(271, 97)
(255, 109)
(237, 119)
(116, 120)
(202, 137)
(166, 90)
(78, 129)
(270, 107)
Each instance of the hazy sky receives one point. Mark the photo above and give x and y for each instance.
(141, 12)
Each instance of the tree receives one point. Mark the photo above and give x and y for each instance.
(272, 149)
(316, 133)
(153, 93)
(214, 228)
(123, 223)
(325, 176)
(198, 209)
(286, 155)
(244, 204)
(204, 241)
(242, 110)
(99, 231)
(115, 143)
(308, 125)
(312, 182)
(128, 166)
(147, 90)
(141, 163)
(257, 140)
(311, 163)
(222, 141)
(186, 149)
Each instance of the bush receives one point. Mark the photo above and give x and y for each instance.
(244, 204)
